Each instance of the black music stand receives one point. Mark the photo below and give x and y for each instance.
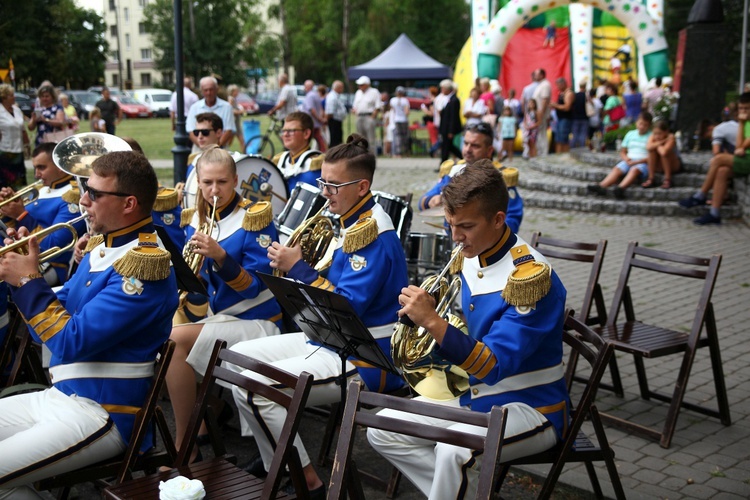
(186, 280)
(328, 319)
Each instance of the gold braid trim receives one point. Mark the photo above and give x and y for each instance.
(186, 216)
(445, 167)
(258, 216)
(93, 242)
(166, 200)
(510, 175)
(458, 264)
(72, 196)
(316, 163)
(276, 158)
(529, 282)
(146, 262)
(361, 234)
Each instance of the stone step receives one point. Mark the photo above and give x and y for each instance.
(692, 162)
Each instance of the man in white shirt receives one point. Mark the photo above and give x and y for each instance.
(188, 97)
(335, 113)
(366, 106)
(287, 100)
(542, 95)
(212, 103)
(400, 106)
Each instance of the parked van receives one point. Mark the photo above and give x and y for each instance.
(156, 99)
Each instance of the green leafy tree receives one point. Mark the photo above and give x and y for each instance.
(212, 37)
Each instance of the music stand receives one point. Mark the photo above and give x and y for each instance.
(328, 319)
(186, 280)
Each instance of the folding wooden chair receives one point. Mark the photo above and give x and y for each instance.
(345, 476)
(117, 470)
(220, 477)
(21, 356)
(651, 341)
(588, 253)
(576, 446)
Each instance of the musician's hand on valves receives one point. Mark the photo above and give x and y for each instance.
(420, 306)
(284, 258)
(80, 247)
(13, 265)
(206, 246)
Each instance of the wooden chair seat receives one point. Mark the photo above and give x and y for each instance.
(649, 341)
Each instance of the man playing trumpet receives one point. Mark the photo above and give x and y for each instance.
(52, 206)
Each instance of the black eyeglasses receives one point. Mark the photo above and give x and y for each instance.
(290, 131)
(205, 132)
(481, 128)
(95, 193)
(333, 188)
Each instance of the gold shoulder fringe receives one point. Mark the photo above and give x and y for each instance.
(146, 262)
(458, 263)
(276, 158)
(510, 175)
(361, 234)
(166, 199)
(193, 158)
(258, 216)
(93, 242)
(445, 167)
(317, 163)
(529, 282)
(186, 216)
(72, 196)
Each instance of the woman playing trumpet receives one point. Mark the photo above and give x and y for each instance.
(243, 307)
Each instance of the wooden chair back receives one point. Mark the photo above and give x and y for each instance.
(345, 477)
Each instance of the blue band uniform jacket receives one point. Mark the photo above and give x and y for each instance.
(305, 167)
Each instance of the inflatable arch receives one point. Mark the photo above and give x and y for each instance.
(492, 39)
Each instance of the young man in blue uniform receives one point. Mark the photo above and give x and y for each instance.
(104, 329)
(368, 268)
(53, 206)
(477, 146)
(514, 305)
(299, 163)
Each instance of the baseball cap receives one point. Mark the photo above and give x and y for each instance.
(400, 89)
(363, 80)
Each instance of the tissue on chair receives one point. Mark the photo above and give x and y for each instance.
(181, 488)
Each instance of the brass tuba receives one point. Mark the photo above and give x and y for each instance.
(317, 239)
(412, 347)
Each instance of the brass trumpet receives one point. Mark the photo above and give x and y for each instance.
(32, 189)
(21, 246)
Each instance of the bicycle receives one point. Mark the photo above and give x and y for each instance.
(263, 144)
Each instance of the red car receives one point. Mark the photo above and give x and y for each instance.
(247, 103)
(417, 97)
(131, 108)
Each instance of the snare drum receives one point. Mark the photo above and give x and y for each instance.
(304, 202)
(252, 171)
(398, 210)
(428, 250)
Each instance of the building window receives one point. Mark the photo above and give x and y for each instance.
(142, 3)
(126, 14)
(167, 78)
(146, 54)
(127, 41)
(145, 79)
(142, 28)
(113, 30)
(115, 80)
(112, 5)
(115, 55)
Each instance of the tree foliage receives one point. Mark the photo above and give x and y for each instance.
(46, 40)
(212, 42)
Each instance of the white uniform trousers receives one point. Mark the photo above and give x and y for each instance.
(45, 433)
(290, 352)
(443, 471)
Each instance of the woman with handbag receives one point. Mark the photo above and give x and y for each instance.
(614, 109)
(13, 138)
(49, 118)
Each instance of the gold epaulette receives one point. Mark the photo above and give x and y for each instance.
(244, 203)
(529, 282)
(186, 216)
(317, 162)
(193, 157)
(510, 175)
(445, 167)
(145, 262)
(361, 234)
(458, 262)
(93, 242)
(72, 195)
(166, 199)
(497, 164)
(276, 158)
(258, 216)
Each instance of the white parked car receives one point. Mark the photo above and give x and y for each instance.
(156, 99)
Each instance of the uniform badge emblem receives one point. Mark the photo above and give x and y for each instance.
(263, 240)
(358, 263)
(523, 310)
(168, 219)
(512, 194)
(131, 286)
(72, 208)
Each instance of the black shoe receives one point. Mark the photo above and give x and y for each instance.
(619, 193)
(707, 219)
(256, 467)
(691, 202)
(596, 189)
(318, 493)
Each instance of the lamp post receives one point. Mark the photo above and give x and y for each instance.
(181, 150)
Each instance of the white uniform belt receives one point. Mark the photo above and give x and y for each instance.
(519, 382)
(4, 320)
(246, 304)
(101, 370)
(381, 332)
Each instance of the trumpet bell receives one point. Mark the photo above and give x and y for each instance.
(74, 155)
